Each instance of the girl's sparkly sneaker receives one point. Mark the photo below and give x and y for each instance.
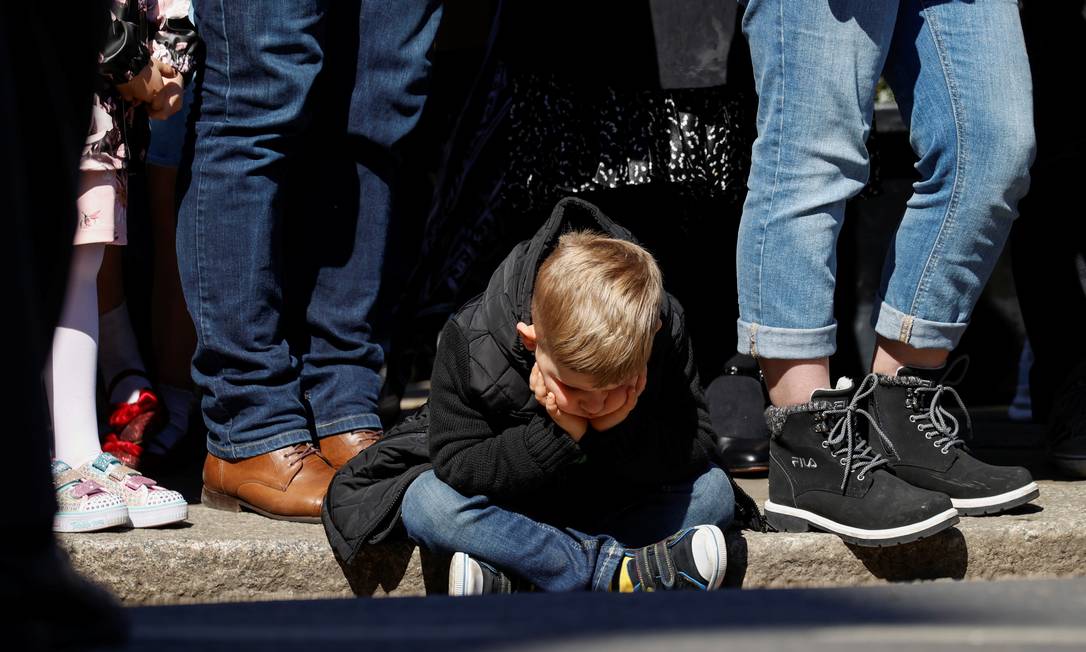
(83, 505)
(148, 504)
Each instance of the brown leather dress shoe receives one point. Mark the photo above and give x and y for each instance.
(339, 449)
(286, 484)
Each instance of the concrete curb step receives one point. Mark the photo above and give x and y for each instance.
(219, 556)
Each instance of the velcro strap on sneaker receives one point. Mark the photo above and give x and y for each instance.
(66, 478)
(665, 564)
(135, 481)
(87, 488)
(645, 573)
(655, 567)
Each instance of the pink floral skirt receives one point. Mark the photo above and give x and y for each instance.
(103, 197)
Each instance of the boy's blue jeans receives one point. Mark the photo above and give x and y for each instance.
(300, 110)
(560, 559)
(959, 71)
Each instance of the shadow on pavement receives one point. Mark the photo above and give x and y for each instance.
(943, 555)
(570, 621)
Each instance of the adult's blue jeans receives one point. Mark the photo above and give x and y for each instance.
(560, 558)
(959, 71)
(301, 107)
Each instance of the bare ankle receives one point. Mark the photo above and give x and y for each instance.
(891, 355)
(791, 382)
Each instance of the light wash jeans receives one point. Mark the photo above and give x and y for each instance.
(959, 71)
(552, 558)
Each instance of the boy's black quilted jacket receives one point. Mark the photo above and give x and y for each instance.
(485, 434)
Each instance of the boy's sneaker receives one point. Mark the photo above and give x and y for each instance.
(924, 448)
(823, 475)
(693, 559)
(470, 576)
(148, 504)
(83, 505)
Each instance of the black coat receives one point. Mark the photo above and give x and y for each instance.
(487, 435)
(363, 501)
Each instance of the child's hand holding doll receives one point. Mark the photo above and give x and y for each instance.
(158, 85)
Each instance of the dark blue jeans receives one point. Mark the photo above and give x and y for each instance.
(560, 558)
(301, 108)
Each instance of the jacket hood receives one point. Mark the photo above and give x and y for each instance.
(508, 297)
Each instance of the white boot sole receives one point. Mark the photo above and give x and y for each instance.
(793, 519)
(993, 504)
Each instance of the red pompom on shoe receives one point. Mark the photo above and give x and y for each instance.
(130, 424)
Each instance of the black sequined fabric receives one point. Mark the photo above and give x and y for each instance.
(531, 139)
(671, 165)
(569, 138)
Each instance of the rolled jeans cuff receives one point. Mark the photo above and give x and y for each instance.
(610, 555)
(348, 424)
(918, 333)
(235, 452)
(759, 341)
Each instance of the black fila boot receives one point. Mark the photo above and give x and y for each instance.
(823, 475)
(923, 446)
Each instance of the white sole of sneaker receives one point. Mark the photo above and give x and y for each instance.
(794, 519)
(90, 521)
(993, 504)
(715, 547)
(158, 515)
(463, 578)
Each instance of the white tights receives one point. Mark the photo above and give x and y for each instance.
(71, 370)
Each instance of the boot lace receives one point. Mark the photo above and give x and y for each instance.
(300, 452)
(937, 423)
(845, 440)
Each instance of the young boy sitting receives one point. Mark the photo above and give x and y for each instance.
(569, 438)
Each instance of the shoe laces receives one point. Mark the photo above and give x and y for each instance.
(299, 452)
(843, 436)
(937, 422)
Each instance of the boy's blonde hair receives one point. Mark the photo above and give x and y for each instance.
(596, 306)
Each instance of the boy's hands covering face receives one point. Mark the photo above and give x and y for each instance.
(574, 426)
(608, 421)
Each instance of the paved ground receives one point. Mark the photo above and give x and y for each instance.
(1045, 615)
(219, 556)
